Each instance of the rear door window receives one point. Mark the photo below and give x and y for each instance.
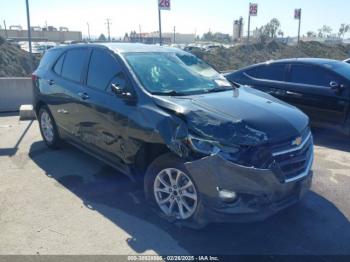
(311, 75)
(103, 68)
(274, 72)
(74, 63)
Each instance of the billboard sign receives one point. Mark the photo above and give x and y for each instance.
(164, 4)
(253, 9)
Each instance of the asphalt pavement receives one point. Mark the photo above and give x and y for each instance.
(66, 202)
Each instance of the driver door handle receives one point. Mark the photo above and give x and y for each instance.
(83, 95)
(294, 94)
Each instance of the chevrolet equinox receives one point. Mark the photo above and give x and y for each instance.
(208, 151)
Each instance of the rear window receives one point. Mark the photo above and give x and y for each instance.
(73, 64)
(48, 59)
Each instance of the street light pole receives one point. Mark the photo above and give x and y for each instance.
(248, 27)
(29, 30)
(5, 29)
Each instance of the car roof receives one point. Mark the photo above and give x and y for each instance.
(124, 47)
(328, 63)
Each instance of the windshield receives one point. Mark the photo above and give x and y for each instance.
(175, 74)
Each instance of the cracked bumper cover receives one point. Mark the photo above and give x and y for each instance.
(260, 192)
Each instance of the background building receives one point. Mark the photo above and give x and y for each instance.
(153, 38)
(42, 34)
(237, 30)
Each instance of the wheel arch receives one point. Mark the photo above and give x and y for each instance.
(147, 154)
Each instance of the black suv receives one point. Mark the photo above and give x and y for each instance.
(319, 87)
(208, 151)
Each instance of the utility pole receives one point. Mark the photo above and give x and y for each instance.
(108, 22)
(248, 28)
(29, 35)
(299, 26)
(140, 33)
(174, 33)
(5, 29)
(160, 26)
(88, 28)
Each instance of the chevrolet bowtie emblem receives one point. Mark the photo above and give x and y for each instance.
(297, 141)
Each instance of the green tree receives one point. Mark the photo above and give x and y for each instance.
(325, 31)
(344, 28)
(311, 34)
(269, 31)
(102, 38)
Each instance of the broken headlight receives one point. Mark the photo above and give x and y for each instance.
(209, 147)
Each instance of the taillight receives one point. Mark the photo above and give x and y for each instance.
(34, 77)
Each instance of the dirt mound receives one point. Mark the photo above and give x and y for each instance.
(239, 56)
(15, 62)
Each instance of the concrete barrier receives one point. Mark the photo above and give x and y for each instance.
(14, 92)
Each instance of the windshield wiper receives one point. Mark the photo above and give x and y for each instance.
(169, 93)
(218, 89)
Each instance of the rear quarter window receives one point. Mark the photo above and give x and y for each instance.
(58, 66)
(48, 59)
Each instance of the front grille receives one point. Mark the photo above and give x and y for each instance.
(295, 161)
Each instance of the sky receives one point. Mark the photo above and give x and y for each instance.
(189, 16)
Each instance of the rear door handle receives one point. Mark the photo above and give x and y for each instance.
(84, 96)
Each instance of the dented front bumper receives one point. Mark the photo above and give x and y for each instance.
(260, 192)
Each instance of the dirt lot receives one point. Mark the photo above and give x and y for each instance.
(66, 202)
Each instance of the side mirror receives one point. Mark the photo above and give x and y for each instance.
(116, 89)
(336, 86)
(120, 92)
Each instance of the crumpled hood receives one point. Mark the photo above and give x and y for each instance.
(244, 116)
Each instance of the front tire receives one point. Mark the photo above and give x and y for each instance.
(172, 192)
(48, 128)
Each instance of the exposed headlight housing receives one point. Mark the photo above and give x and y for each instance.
(209, 147)
(203, 146)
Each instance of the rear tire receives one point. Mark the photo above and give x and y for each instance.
(48, 128)
(172, 193)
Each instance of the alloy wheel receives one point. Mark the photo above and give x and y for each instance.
(175, 193)
(47, 127)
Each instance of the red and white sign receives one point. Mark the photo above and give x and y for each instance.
(297, 14)
(164, 4)
(253, 9)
